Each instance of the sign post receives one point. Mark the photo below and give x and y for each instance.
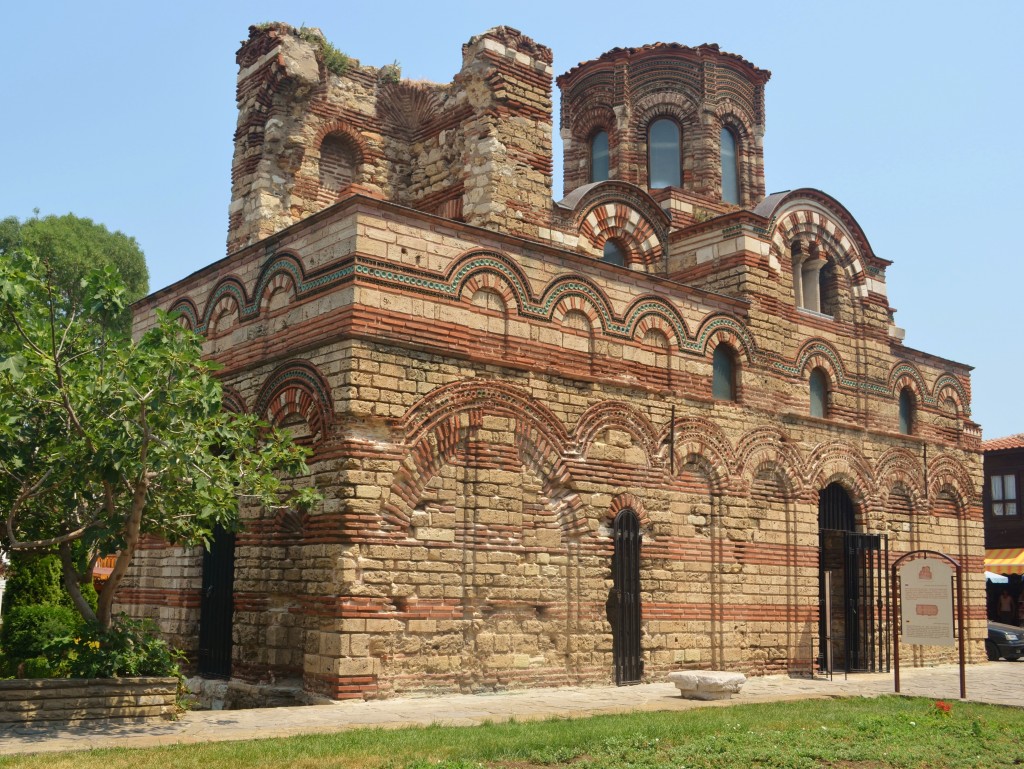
(924, 605)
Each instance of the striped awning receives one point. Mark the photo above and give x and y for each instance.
(1005, 560)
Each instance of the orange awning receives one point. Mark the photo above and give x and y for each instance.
(1005, 560)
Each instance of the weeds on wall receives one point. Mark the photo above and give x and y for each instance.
(390, 73)
(335, 61)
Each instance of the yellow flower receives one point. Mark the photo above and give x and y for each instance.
(94, 644)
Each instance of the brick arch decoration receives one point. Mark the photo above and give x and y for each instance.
(840, 462)
(576, 303)
(946, 474)
(615, 209)
(900, 467)
(435, 426)
(812, 217)
(284, 271)
(679, 104)
(297, 387)
(817, 353)
(488, 281)
(651, 311)
(770, 447)
(232, 400)
(626, 226)
(226, 306)
(704, 443)
(730, 115)
(410, 109)
(621, 416)
(229, 290)
(587, 122)
(363, 153)
(949, 386)
(584, 293)
(188, 316)
(475, 269)
(484, 396)
(628, 501)
(723, 329)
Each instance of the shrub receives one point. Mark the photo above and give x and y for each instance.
(35, 579)
(26, 633)
(130, 648)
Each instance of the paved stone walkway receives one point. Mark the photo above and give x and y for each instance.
(1000, 683)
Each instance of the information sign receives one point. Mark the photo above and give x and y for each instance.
(926, 604)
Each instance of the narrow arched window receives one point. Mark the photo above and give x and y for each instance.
(906, 411)
(664, 160)
(723, 378)
(613, 253)
(599, 168)
(730, 167)
(819, 393)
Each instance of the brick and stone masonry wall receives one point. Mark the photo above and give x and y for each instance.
(73, 701)
(473, 453)
(482, 394)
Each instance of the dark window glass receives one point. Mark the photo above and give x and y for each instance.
(599, 157)
(1004, 494)
(613, 253)
(723, 383)
(730, 168)
(665, 168)
(819, 393)
(906, 411)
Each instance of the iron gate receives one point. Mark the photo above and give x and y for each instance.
(861, 598)
(217, 606)
(626, 652)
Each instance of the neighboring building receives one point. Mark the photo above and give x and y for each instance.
(573, 442)
(1004, 518)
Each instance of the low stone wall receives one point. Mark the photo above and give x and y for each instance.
(76, 700)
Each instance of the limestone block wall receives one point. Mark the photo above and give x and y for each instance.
(72, 702)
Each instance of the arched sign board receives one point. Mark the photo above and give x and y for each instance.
(925, 581)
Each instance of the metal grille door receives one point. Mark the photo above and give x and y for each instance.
(626, 650)
(867, 576)
(217, 606)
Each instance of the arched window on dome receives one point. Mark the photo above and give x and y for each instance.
(729, 152)
(614, 253)
(723, 377)
(906, 411)
(599, 157)
(819, 393)
(664, 156)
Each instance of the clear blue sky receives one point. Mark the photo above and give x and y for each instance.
(907, 112)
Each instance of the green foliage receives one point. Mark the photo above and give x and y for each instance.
(390, 73)
(27, 630)
(104, 439)
(69, 247)
(37, 579)
(34, 580)
(335, 61)
(129, 648)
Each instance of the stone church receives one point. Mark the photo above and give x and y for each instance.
(666, 422)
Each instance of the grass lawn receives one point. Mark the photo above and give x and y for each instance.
(852, 733)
